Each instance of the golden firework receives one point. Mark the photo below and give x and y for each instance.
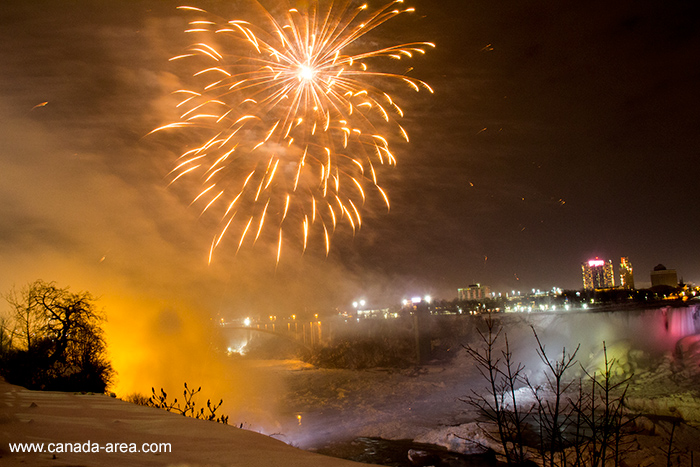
(298, 122)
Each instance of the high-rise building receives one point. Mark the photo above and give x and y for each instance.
(474, 292)
(626, 275)
(597, 274)
(662, 276)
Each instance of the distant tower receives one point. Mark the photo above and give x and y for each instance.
(626, 275)
(597, 274)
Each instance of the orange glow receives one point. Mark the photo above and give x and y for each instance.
(165, 346)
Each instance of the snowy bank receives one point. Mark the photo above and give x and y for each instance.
(112, 425)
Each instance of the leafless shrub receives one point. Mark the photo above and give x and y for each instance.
(188, 409)
(579, 422)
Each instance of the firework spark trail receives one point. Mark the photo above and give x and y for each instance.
(297, 126)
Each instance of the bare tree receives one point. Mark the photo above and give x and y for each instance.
(5, 337)
(26, 315)
(604, 414)
(62, 341)
(554, 415)
(498, 404)
(578, 426)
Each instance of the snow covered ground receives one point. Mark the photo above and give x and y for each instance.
(54, 417)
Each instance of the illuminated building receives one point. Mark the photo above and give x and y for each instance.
(474, 292)
(626, 275)
(662, 276)
(597, 274)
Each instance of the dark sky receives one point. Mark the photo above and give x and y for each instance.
(558, 131)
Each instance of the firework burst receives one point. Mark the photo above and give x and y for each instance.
(298, 123)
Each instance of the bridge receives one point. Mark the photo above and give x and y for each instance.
(307, 337)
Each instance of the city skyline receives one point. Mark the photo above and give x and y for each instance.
(557, 132)
(596, 273)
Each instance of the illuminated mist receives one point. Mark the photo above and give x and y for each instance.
(144, 264)
(86, 204)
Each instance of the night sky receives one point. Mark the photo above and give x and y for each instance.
(558, 131)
